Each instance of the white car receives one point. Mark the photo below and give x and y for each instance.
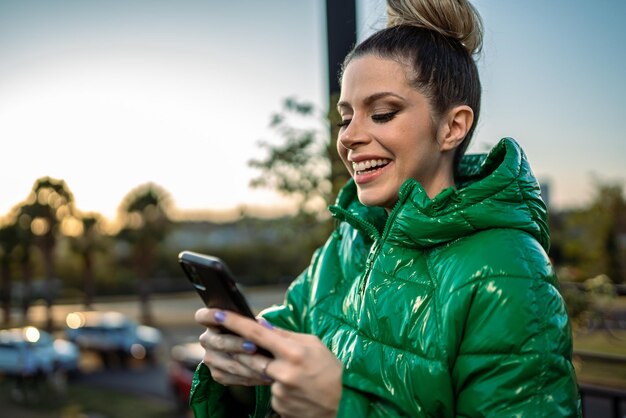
(112, 333)
(31, 350)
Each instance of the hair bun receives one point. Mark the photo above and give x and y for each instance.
(456, 19)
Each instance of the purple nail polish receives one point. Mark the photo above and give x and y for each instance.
(266, 324)
(249, 346)
(220, 316)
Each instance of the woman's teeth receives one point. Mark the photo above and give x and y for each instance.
(368, 165)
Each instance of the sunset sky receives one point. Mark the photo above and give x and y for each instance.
(108, 95)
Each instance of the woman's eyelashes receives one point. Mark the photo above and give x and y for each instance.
(384, 117)
(377, 118)
(344, 123)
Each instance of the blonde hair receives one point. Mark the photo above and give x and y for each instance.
(456, 19)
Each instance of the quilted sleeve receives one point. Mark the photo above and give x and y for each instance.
(510, 349)
(208, 398)
(291, 315)
(355, 403)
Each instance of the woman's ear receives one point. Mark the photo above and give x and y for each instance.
(454, 127)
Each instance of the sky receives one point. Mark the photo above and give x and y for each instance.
(109, 95)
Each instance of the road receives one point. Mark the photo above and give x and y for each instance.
(173, 315)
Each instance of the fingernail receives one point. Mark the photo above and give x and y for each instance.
(249, 346)
(220, 316)
(266, 324)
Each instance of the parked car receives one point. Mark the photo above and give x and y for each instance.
(112, 335)
(45, 353)
(184, 358)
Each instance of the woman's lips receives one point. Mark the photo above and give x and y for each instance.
(364, 177)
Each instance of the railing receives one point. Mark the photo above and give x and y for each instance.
(602, 402)
(620, 289)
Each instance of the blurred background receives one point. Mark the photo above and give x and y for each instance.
(133, 130)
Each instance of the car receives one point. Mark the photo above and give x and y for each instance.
(112, 334)
(49, 354)
(184, 358)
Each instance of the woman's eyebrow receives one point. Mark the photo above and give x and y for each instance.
(372, 98)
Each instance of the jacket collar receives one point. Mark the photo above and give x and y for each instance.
(497, 190)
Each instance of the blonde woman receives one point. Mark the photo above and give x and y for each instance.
(434, 296)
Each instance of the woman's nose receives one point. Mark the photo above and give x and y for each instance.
(353, 135)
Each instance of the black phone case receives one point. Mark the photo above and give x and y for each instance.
(216, 285)
(214, 282)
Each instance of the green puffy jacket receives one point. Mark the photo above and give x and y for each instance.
(445, 307)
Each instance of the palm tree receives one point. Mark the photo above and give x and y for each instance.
(9, 241)
(48, 204)
(145, 224)
(22, 254)
(86, 244)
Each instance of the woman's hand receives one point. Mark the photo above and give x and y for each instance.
(221, 350)
(306, 375)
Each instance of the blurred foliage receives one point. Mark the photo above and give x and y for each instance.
(48, 208)
(295, 167)
(589, 252)
(305, 164)
(144, 213)
(274, 251)
(592, 240)
(86, 246)
(588, 305)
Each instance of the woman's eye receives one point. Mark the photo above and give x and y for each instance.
(344, 123)
(384, 117)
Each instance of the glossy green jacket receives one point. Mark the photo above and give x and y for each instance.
(445, 307)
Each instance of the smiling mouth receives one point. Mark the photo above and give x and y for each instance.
(369, 166)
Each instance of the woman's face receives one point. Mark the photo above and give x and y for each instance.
(387, 133)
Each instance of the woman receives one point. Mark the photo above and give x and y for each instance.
(434, 296)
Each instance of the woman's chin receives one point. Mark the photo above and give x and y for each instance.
(368, 198)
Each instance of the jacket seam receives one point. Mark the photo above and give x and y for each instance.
(373, 339)
(519, 189)
(498, 353)
(431, 276)
(542, 279)
(462, 215)
(306, 291)
(430, 287)
(541, 376)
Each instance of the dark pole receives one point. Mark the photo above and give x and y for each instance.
(341, 37)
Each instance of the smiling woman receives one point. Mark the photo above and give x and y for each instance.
(434, 295)
(374, 94)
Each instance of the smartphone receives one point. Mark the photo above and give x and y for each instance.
(216, 285)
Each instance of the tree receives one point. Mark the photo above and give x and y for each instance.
(9, 241)
(305, 165)
(22, 253)
(48, 204)
(593, 237)
(145, 224)
(89, 241)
